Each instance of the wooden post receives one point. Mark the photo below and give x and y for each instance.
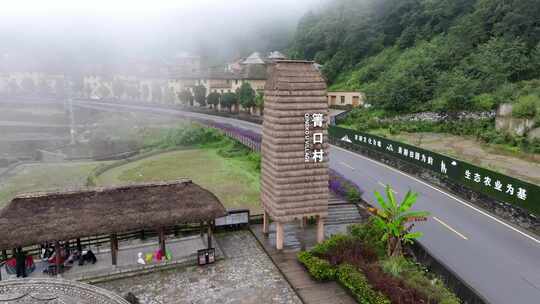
(161, 236)
(279, 235)
(303, 233)
(114, 249)
(79, 245)
(209, 236)
(266, 221)
(143, 236)
(320, 229)
(201, 228)
(57, 257)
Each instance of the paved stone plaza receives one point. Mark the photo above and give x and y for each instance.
(246, 275)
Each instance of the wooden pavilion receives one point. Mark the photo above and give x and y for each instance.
(36, 218)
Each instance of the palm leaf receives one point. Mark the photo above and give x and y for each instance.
(391, 197)
(381, 201)
(408, 201)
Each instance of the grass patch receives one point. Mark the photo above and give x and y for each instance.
(234, 180)
(45, 177)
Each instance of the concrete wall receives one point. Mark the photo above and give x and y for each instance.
(506, 123)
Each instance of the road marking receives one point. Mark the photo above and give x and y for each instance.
(450, 228)
(447, 194)
(346, 165)
(384, 186)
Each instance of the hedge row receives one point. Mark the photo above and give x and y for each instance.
(347, 275)
(358, 285)
(319, 269)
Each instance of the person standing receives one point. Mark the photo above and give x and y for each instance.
(20, 262)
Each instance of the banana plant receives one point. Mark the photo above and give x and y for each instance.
(394, 219)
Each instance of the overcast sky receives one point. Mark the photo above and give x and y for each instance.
(102, 28)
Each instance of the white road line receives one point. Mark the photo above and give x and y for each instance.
(450, 228)
(346, 165)
(384, 186)
(447, 194)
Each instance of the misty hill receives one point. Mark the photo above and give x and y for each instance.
(417, 55)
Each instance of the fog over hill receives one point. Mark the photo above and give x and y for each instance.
(99, 31)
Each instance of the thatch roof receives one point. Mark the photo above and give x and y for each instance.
(292, 187)
(35, 218)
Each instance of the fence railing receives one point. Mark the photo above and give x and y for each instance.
(493, 184)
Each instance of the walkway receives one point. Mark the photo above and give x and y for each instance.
(309, 290)
(245, 275)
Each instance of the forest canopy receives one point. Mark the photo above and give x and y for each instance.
(418, 55)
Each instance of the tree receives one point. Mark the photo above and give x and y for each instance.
(186, 97)
(228, 100)
(145, 92)
(393, 219)
(59, 88)
(133, 92)
(169, 95)
(103, 91)
(87, 89)
(13, 87)
(43, 87)
(213, 99)
(199, 93)
(157, 93)
(119, 88)
(259, 101)
(246, 95)
(28, 85)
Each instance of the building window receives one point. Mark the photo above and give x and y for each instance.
(236, 81)
(342, 99)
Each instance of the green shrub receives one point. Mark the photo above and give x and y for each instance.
(395, 265)
(331, 243)
(371, 235)
(431, 287)
(358, 285)
(484, 102)
(183, 135)
(353, 195)
(526, 107)
(318, 268)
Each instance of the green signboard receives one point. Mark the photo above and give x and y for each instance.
(498, 186)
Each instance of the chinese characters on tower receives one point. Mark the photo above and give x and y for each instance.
(313, 145)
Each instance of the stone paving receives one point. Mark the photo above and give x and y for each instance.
(246, 275)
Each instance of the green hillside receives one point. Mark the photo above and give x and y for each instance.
(418, 55)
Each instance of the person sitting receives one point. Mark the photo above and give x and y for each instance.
(140, 259)
(87, 256)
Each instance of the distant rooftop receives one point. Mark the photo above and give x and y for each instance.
(276, 55)
(254, 58)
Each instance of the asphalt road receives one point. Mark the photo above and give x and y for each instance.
(500, 262)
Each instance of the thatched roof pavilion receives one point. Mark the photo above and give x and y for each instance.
(294, 185)
(35, 218)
